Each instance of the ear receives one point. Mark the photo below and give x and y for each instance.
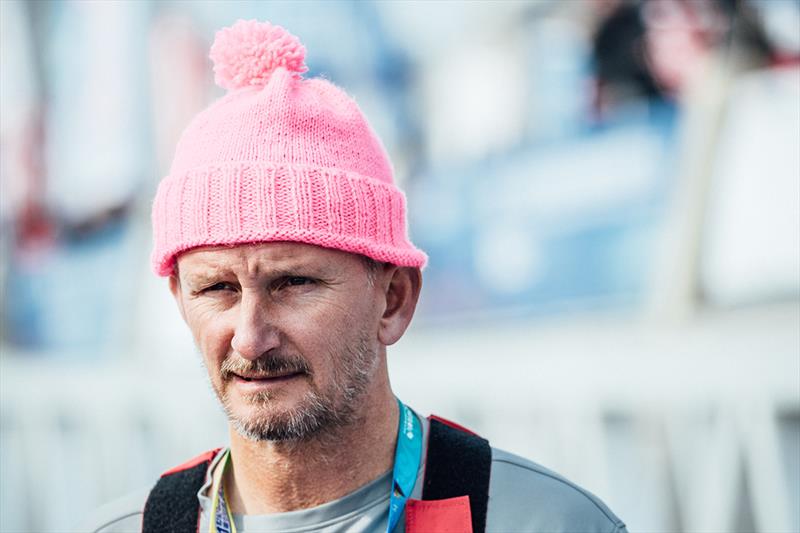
(401, 288)
(175, 289)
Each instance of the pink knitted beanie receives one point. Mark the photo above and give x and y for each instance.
(278, 158)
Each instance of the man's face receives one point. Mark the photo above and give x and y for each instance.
(288, 333)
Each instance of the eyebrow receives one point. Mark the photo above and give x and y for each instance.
(202, 278)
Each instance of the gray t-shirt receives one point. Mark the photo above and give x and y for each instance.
(523, 497)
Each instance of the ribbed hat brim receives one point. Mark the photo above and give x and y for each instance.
(250, 202)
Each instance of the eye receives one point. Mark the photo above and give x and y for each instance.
(221, 286)
(294, 281)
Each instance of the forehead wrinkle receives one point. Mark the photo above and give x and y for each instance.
(211, 262)
(254, 261)
(199, 277)
(290, 266)
(284, 260)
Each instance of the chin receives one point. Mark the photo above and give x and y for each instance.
(278, 426)
(283, 420)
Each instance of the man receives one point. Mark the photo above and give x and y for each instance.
(284, 241)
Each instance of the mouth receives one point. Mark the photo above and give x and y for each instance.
(267, 379)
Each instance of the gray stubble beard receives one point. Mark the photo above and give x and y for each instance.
(318, 412)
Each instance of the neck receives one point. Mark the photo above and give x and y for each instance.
(273, 477)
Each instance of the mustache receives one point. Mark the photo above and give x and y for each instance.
(263, 366)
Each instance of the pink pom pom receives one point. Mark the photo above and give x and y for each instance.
(248, 52)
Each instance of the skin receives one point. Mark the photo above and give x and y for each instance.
(318, 309)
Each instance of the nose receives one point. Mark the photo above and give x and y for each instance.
(254, 336)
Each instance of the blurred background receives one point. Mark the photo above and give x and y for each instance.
(609, 192)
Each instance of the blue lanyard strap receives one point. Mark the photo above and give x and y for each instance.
(407, 457)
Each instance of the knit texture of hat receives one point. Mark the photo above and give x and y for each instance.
(278, 158)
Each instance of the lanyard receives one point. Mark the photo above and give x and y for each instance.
(221, 518)
(407, 456)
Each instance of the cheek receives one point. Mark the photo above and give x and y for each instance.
(326, 329)
(212, 332)
(331, 318)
